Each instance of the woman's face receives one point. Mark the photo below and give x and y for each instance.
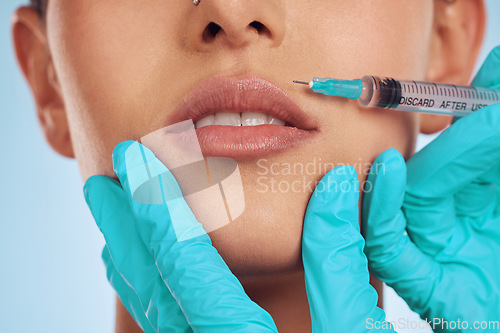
(124, 68)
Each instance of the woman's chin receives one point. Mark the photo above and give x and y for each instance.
(259, 243)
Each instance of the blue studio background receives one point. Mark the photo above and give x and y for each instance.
(51, 275)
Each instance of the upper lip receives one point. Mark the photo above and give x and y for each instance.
(251, 94)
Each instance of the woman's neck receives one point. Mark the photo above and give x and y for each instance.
(284, 297)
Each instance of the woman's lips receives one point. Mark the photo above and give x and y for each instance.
(249, 141)
(218, 95)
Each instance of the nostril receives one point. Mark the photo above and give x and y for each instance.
(261, 28)
(211, 31)
(257, 25)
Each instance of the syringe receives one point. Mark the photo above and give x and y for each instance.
(417, 96)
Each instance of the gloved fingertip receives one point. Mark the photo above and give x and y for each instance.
(97, 191)
(333, 206)
(341, 179)
(87, 188)
(391, 159)
(91, 189)
(119, 153)
(486, 77)
(496, 52)
(341, 173)
(347, 171)
(135, 164)
(389, 166)
(384, 190)
(105, 255)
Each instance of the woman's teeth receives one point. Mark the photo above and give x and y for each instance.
(239, 119)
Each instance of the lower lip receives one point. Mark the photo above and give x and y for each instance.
(249, 141)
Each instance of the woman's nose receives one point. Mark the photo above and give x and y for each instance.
(235, 23)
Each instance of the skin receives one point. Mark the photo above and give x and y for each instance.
(102, 73)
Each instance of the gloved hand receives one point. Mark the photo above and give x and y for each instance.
(160, 260)
(170, 278)
(446, 265)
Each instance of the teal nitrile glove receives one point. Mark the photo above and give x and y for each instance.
(189, 271)
(447, 266)
(201, 284)
(336, 269)
(143, 292)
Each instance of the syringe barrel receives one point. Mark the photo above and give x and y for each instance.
(421, 96)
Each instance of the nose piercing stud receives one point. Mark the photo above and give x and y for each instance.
(196, 2)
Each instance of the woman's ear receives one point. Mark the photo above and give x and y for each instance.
(34, 59)
(456, 40)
